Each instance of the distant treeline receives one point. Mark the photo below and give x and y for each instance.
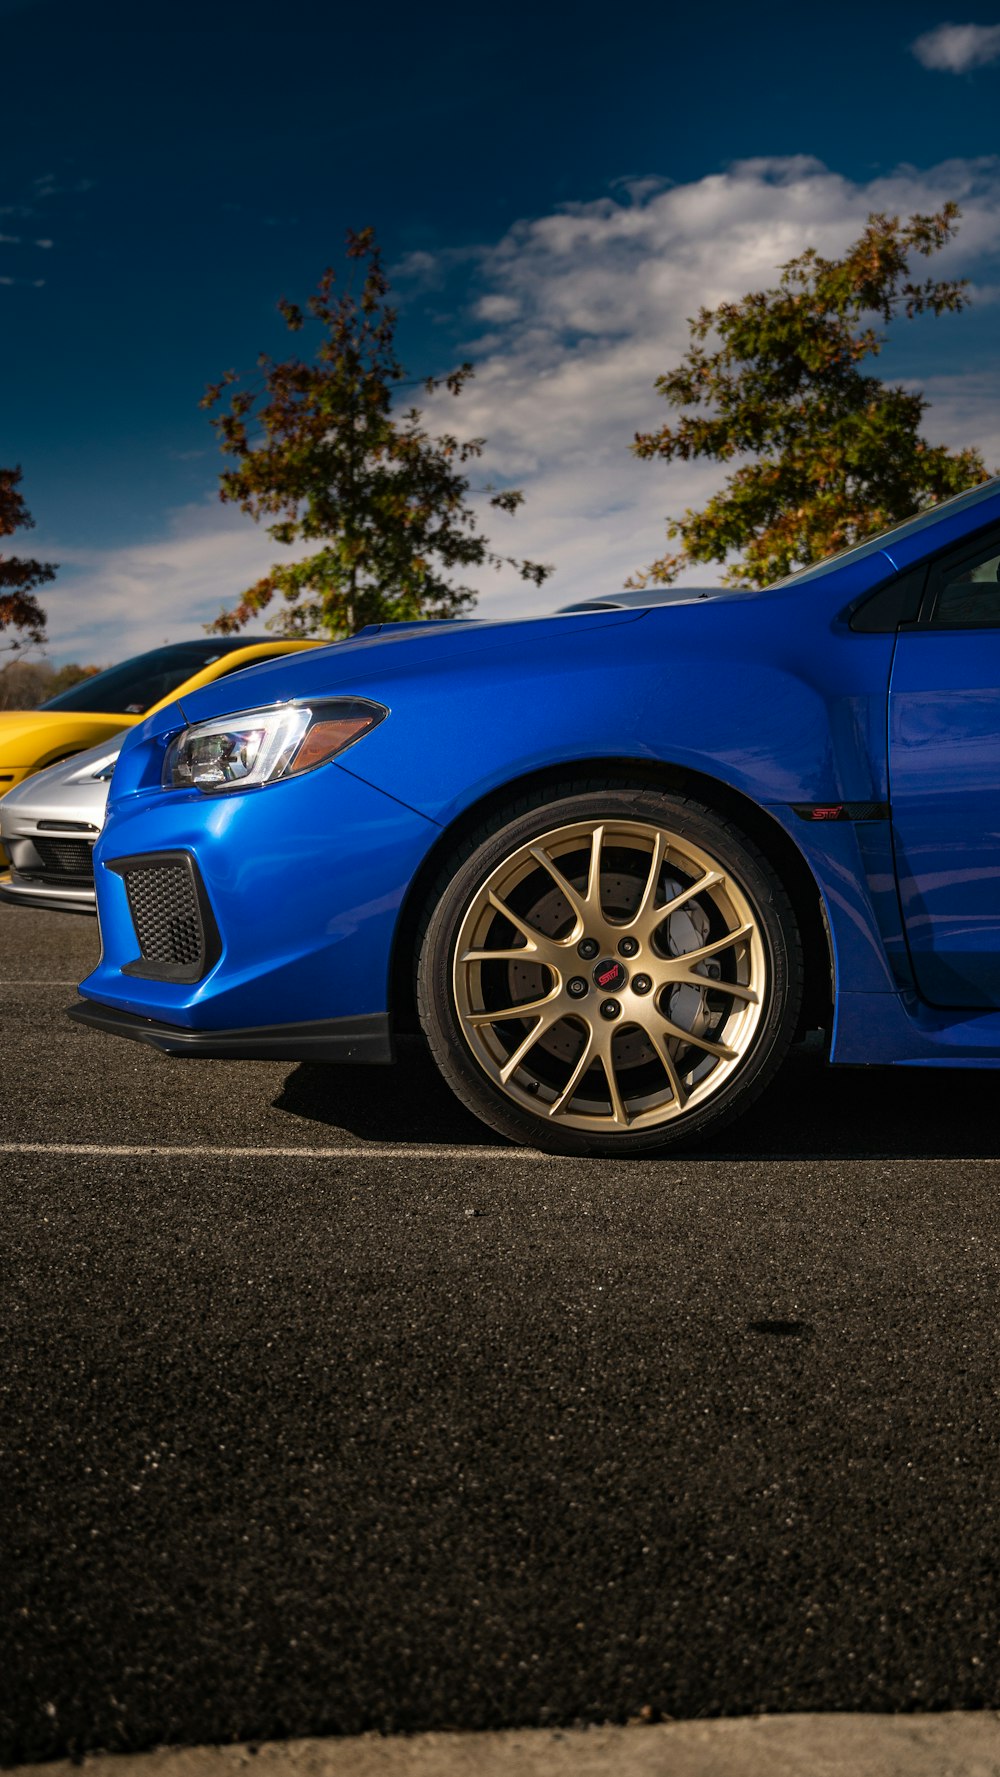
(24, 684)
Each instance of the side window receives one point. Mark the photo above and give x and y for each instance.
(965, 589)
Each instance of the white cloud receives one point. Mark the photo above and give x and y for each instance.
(491, 308)
(956, 49)
(584, 308)
(105, 604)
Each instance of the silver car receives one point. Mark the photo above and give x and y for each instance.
(49, 824)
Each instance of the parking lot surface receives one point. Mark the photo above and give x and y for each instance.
(322, 1411)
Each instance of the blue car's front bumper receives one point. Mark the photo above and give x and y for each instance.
(302, 882)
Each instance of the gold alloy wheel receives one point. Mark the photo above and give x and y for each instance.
(610, 976)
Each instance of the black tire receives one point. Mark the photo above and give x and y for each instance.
(748, 874)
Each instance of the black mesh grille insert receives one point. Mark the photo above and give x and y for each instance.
(164, 908)
(64, 857)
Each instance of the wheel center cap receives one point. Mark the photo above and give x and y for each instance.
(611, 975)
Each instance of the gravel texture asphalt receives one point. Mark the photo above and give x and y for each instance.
(316, 1443)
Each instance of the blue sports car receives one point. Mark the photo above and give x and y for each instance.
(610, 862)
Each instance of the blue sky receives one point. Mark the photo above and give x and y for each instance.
(555, 189)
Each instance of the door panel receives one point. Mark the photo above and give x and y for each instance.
(944, 779)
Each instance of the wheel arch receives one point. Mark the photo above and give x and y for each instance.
(760, 826)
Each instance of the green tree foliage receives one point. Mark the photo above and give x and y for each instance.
(320, 450)
(824, 453)
(19, 575)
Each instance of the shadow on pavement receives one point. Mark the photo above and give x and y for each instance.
(406, 1103)
(811, 1110)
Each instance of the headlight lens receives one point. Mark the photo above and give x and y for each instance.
(261, 746)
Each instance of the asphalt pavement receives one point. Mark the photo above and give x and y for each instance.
(321, 1411)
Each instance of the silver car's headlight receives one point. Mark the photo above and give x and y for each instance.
(260, 746)
(103, 771)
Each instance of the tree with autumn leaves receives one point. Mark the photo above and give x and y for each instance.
(320, 451)
(20, 611)
(825, 454)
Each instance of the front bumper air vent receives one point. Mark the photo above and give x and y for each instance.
(174, 925)
(65, 860)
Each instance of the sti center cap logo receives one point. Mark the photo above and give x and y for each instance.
(610, 975)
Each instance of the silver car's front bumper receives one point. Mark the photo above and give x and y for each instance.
(48, 825)
(51, 858)
(31, 891)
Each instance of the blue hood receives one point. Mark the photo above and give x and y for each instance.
(402, 647)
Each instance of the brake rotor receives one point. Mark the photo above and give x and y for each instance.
(687, 929)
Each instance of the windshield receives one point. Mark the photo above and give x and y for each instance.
(132, 687)
(909, 526)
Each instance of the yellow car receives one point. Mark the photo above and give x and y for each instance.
(99, 707)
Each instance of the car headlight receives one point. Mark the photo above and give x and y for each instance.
(261, 746)
(101, 772)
